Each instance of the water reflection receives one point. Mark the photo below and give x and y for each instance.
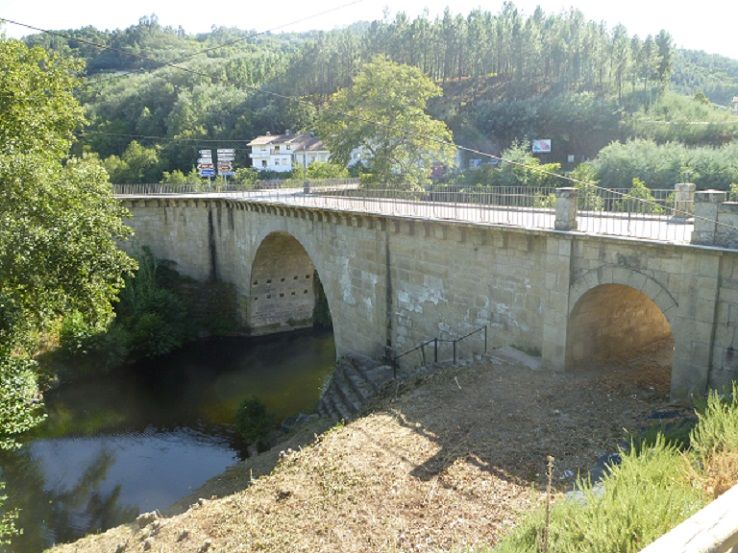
(136, 441)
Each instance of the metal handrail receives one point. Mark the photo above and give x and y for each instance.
(435, 341)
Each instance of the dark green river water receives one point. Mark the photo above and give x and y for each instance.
(139, 439)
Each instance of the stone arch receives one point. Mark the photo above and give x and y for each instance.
(616, 322)
(651, 288)
(284, 284)
(618, 313)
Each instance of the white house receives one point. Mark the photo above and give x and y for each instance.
(734, 104)
(282, 152)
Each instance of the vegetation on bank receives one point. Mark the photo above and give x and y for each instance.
(655, 487)
(59, 228)
(158, 311)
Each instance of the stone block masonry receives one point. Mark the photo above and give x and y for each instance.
(392, 282)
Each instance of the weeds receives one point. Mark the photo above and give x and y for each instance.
(662, 480)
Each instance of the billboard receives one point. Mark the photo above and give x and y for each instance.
(542, 146)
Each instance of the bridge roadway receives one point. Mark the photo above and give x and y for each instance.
(633, 225)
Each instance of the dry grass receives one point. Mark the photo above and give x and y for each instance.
(449, 464)
(719, 472)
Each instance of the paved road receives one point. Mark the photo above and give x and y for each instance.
(661, 228)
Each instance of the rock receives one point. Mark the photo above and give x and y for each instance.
(148, 544)
(602, 467)
(144, 519)
(120, 548)
(183, 535)
(283, 494)
(566, 475)
(206, 545)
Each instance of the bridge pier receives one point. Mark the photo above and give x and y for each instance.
(557, 287)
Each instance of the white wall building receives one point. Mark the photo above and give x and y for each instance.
(734, 104)
(282, 152)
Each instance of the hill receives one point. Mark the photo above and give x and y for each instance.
(506, 77)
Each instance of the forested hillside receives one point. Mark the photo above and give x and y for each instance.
(505, 76)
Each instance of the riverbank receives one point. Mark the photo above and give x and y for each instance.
(452, 462)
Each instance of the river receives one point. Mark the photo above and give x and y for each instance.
(119, 444)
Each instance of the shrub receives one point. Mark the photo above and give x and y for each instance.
(639, 199)
(253, 422)
(714, 443)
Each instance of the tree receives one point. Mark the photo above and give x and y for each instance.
(59, 224)
(384, 112)
(138, 164)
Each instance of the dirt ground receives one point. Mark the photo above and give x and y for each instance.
(450, 462)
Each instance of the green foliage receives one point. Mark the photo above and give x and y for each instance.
(326, 170)
(662, 166)
(677, 118)
(506, 76)
(154, 317)
(59, 225)
(524, 169)
(384, 112)
(138, 164)
(159, 310)
(20, 409)
(7, 520)
(717, 427)
(178, 177)
(246, 177)
(646, 495)
(586, 182)
(254, 422)
(639, 199)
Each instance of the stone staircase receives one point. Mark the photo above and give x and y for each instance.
(355, 382)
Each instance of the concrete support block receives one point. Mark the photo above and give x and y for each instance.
(726, 231)
(706, 205)
(566, 209)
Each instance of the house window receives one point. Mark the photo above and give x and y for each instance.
(276, 148)
(276, 162)
(263, 162)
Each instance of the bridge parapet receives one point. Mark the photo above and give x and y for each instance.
(716, 220)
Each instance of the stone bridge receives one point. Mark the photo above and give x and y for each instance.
(392, 281)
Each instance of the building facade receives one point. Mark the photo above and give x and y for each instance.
(283, 152)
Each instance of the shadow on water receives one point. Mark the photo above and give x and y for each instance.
(138, 439)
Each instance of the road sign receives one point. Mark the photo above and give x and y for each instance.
(205, 166)
(225, 169)
(205, 161)
(206, 153)
(225, 158)
(207, 172)
(225, 151)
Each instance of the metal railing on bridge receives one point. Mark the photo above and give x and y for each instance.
(663, 215)
(232, 187)
(600, 211)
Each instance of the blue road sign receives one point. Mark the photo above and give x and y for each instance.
(207, 172)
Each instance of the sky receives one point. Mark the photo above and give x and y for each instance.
(708, 25)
